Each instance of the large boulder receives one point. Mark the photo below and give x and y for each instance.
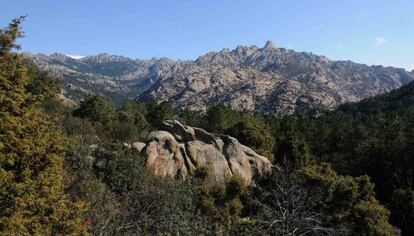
(179, 150)
(163, 155)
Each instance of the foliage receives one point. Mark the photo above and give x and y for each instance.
(349, 201)
(192, 118)
(135, 113)
(96, 108)
(32, 177)
(253, 132)
(128, 200)
(293, 151)
(373, 137)
(159, 112)
(221, 117)
(329, 170)
(402, 209)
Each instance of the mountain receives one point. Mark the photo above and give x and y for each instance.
(269, 79)
(116, 77)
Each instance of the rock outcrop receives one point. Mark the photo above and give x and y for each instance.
(178, 151)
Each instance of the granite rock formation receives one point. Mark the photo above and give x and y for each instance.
(177, 151)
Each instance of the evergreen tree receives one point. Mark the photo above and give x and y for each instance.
(96, 108)
(402, 210)
(292, 150)
(32, 177)
(192, 118)
(220, 118)
(157, 113)
(254, 133)
(134, 112)
(348, 201)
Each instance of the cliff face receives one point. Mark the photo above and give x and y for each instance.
(269, 79)
(178, 151)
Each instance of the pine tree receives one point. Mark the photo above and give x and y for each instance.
(96, 108)
(220, 118)
(253, 132)
(32, 177)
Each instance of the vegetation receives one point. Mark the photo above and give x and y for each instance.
(32, 177)
(65, 170)
(331, 203)
(373, 137)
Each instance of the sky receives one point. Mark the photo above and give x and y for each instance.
(374, 32)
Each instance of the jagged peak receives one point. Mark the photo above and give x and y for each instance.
(225, 50)
(269, 45)
(58, 56)
(102, 57)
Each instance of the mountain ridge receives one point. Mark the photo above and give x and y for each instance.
(269, 79)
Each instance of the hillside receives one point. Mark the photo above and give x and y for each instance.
(116, 77)
(103, 159)
(269, 79)
(372, 137)
(247, 140)
(397, 101)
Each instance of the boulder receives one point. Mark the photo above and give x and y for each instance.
(163, 155)
(138, 146)
(178, 151)
(181, 133)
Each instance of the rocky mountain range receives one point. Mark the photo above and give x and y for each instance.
(268, 79)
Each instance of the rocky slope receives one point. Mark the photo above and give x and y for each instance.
(178, 151)
(116, 77)
(269, 79)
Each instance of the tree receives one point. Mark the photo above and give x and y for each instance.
(221, 117)
(131, 122)
(145, 204)
(292, 150)
(32, 178)
(134, 113)
(254, 133)
(285, 206)
(96, 108)
(192, 118)
(220, 202)
(402, 210)
(348, 201)
(157, 113)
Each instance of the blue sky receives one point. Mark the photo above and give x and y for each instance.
(366, 31)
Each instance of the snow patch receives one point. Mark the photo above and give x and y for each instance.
(77, 57)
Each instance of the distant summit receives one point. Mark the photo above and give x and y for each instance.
(105, 57)
(270, 45)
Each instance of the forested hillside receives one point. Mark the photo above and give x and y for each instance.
(372, 137)
(72, 171)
